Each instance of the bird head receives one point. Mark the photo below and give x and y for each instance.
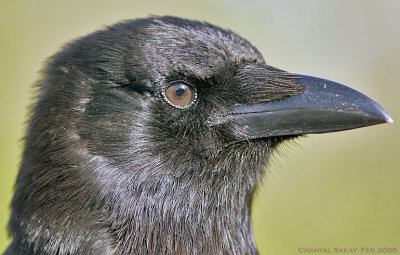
(151, 117)
(185, 92)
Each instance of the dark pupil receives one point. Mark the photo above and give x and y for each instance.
(180, 92)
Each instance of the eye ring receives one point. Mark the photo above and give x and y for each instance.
(180, 94)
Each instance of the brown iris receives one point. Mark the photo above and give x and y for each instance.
(180, 95)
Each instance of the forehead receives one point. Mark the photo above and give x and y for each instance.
(175, 45)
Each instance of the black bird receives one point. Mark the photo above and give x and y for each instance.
(150, 137)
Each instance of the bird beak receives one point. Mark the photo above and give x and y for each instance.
(324, 106)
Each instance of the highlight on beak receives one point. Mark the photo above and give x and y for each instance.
(324, 106)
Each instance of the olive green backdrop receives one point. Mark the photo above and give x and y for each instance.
(334, 190)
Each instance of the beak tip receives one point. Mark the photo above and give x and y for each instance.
(376, 114)
(384, 115)
(389, 119)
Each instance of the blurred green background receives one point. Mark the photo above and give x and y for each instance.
(333, 190)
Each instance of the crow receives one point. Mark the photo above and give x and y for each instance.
(150, 137)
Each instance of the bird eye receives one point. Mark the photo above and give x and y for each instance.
(180, 95)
